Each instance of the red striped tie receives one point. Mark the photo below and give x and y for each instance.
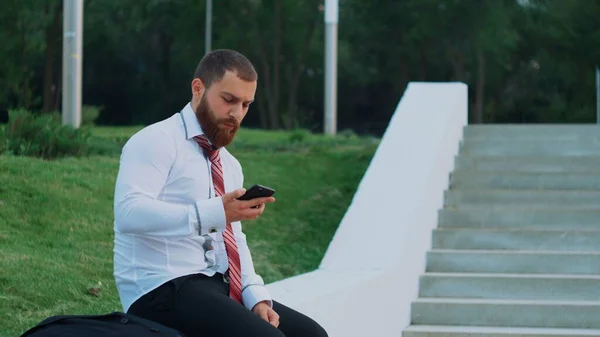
(235, 283)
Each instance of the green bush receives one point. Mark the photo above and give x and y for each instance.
(299, 136)
(2, 140)
(43, 136)
(89, 114)
(348, 134)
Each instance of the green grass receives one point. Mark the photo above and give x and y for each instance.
(56, 219)
(258, 140)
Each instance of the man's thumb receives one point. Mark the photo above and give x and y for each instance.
(236, 193)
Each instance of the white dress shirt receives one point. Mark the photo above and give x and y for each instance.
(168, 222)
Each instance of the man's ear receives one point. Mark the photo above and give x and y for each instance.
(197, 88)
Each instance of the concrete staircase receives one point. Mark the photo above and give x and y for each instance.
(517, 248)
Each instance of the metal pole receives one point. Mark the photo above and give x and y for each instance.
(72, 56)
(331, 40)
(598, 95)
(208, 29)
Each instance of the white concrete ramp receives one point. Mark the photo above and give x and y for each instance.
(370, 273)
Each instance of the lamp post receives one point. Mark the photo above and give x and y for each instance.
(208, 28)
(331, 37)
(72, 56)
(597, 94)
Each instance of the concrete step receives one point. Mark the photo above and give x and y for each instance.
(557, 287)
(506, 313)
(517, 248)
(516, 239)
(513, 262)
(482, 331)
(531, 131)
(538, 147)
(572, 199)
(538, 164)
(462, 179)
(558, 219)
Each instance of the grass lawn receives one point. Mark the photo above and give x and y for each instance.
(56, 219)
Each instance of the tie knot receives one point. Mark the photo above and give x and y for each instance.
(208, 149)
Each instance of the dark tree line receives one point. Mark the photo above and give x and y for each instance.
(524, 61)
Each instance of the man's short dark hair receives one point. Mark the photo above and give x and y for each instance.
(213, 66)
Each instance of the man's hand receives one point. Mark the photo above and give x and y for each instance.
(238, 210)
(264, 310)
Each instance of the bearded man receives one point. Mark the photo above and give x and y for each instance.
(180, 256)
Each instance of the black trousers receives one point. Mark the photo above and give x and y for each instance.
(199, 306)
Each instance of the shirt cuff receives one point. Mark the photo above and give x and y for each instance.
(254, 294)
(211, 215)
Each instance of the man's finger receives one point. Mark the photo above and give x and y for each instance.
(274, 318)
(258, 201)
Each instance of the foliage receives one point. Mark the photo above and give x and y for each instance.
(42, 135)
(89, 114)
(524, 60)
(3, 140)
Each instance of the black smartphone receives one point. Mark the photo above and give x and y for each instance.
(257, 191)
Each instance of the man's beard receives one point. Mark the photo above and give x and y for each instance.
(215, 129)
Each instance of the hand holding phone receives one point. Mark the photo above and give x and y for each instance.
(249, 205)
(257, 191)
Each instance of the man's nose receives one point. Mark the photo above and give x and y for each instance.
(237, 111)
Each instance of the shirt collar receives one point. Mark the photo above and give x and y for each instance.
(190, 122)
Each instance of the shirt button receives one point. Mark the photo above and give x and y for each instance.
(212, 230)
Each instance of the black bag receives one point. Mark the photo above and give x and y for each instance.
(116, 324)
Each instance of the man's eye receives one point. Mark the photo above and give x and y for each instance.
(228, 100)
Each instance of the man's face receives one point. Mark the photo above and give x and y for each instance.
(222, 108)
